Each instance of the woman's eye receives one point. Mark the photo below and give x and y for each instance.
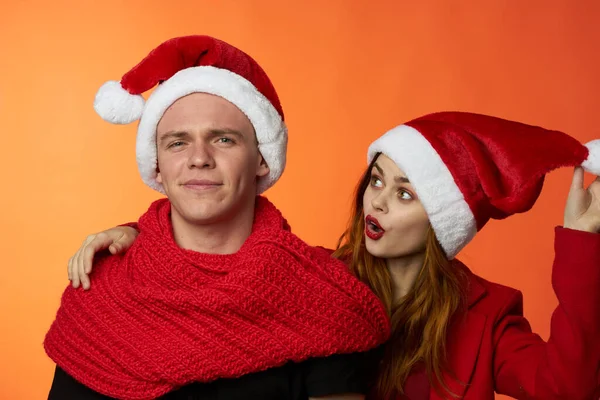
(375, 181)
(405, 195)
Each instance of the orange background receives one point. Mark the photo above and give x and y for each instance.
(346, 71)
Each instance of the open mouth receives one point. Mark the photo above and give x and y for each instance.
(373, 229)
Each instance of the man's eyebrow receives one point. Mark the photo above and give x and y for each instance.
(213, 132)
(173, 135)
(225, 131)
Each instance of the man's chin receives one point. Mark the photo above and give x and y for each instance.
(203, 216)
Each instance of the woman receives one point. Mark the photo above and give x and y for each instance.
(431, 185)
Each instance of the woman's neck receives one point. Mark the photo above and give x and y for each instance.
(404, 272)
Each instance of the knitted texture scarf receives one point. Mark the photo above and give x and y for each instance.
(159, 317)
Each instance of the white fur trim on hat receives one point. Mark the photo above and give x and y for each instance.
(116, 105)
(271, 131)
(449, 214)
(592, 163)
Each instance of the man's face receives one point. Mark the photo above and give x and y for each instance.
(208, 159)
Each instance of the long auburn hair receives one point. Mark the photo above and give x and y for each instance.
(419, 320)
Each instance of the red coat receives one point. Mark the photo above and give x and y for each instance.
(492, 348)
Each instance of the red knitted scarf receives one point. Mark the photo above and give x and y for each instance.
(160, 317)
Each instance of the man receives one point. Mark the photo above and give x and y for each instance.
(216, 298)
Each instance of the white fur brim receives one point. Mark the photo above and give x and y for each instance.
(271, 131)
(449, 214)
(592, 162)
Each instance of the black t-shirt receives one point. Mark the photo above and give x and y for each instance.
(317, 377)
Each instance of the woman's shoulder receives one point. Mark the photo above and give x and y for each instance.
(487, 297)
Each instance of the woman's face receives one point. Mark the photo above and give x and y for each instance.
(396, 223)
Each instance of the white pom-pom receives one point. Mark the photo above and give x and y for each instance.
(592, 163)
(116, 105)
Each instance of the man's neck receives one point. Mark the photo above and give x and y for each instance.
(225, 237)
(404, 272)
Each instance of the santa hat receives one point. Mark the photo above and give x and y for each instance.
(467, 168)
(192, 64)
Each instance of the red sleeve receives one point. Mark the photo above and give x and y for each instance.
(568, 365)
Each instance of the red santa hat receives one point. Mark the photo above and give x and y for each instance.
(192, 64)
(467, 168)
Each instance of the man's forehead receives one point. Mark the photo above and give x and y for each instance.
(205, 100)
(201, 109)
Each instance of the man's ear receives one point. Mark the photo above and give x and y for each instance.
(262, 168)
(158, 175)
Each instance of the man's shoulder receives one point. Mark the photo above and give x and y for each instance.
(325, 249)
(289, 242)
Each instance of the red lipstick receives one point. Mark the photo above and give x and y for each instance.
(373, 229)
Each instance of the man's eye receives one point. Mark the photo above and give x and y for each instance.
(176, 144)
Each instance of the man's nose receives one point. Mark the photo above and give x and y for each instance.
(201, 156)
